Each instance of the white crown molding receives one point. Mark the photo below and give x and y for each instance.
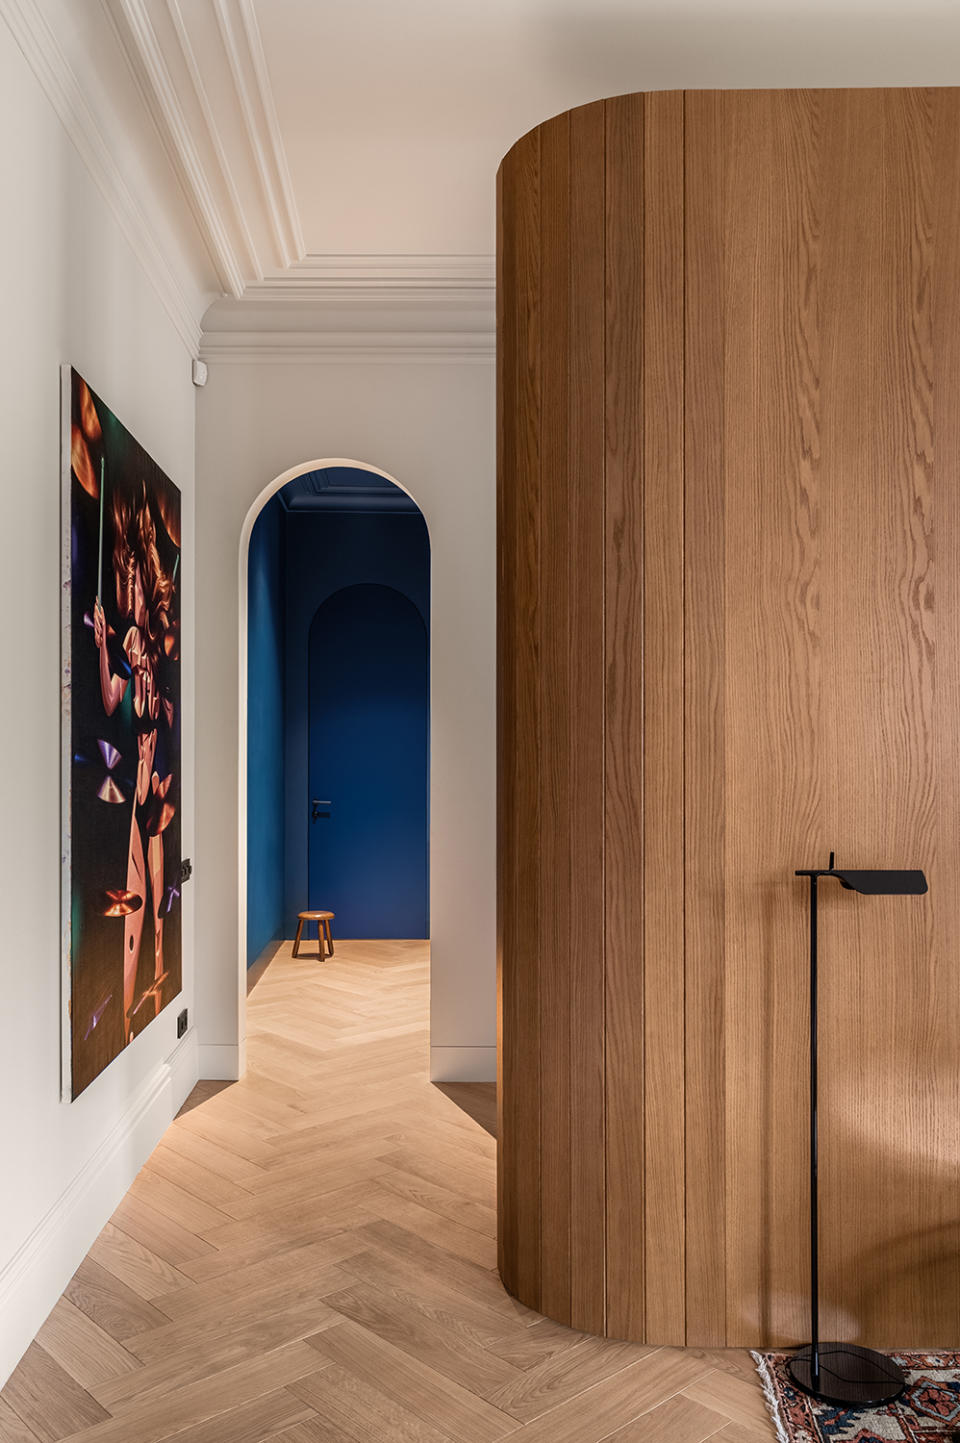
(161, 97)
(216, 140)
(429, 273)
(270, 180)
(321, 306)
(61, 87)
(297, 347)
(306, 322)
(258, 59)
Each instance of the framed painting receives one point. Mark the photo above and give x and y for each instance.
(120, 888)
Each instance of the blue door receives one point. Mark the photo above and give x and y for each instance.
(369, 699)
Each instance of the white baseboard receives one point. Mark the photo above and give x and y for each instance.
(222, 1061)
(36, 1275)
(183, 1063)
(463, 1064)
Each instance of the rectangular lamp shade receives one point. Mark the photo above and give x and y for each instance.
(884, 883)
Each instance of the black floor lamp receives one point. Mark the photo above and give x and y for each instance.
(842, 1372)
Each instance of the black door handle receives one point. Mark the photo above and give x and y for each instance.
(316, 809)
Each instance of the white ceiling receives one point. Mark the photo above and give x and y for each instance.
(281, 148)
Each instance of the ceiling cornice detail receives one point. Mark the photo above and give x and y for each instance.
(299, 346)
(229, 157)
(258, 59)
(45, 57)
(216, 140)
(267, 150)
(351, 321)
(139, 39)
(179, 129)
(385, 272)
(227, 152)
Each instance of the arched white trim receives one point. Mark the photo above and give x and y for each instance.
(246, 532)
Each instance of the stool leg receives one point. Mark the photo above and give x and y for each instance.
(296, 941)
(329, 936)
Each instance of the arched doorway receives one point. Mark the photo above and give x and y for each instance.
(354, 510)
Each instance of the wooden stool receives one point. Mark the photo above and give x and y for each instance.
(323, 920)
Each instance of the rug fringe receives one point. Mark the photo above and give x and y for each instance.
(769, 1393)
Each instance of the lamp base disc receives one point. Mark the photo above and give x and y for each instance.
(857, 1377)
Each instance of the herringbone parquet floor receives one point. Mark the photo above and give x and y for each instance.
(309, 1257)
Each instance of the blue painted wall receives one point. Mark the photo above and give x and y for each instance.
(265, 731)
(369, 696)
(323, 553)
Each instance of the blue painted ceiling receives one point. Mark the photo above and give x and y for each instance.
(345, 489)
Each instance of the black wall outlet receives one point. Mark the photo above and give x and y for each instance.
(186, 870)
(182, 1023)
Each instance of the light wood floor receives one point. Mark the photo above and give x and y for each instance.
(309, 1255)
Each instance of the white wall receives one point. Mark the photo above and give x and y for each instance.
(430, 424)
(72, 290)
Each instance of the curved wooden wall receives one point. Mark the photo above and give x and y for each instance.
(729, 641)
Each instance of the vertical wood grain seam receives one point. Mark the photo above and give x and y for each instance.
(644, 244)
(539, 653)
(569, 602)
(605, 1013)
(606, 405)
(661, 599)
(501, 708)
(626, 1092)
(683, 674)
(603, 723)
(586, 537)
(705, 922)
(684, 730)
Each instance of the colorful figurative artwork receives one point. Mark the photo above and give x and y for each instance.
(121, 737)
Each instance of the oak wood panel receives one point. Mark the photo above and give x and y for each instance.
(585, 827)
(558, 528)
(938, 1254)
(892, 761)
(724, 488)
(704, 730)
(663, 821)
(761, 217)
(624, 782)
(558, 584)
(518, 745)
(812, 352)
(776, 641)
(644, 717)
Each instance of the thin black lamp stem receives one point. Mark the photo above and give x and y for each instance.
(814, 1207)
(854, 1376)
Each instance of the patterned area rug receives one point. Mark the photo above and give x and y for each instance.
(928, 1410)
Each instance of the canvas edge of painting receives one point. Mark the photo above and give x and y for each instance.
(66, 749)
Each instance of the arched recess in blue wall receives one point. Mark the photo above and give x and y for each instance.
(369, 743)
(323, 532)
